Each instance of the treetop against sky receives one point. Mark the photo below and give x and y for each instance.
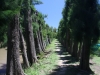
(52, 8)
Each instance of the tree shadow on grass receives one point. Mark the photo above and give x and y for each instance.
(3, 69)
(70, 70)
(58, 46)
(69, 60)
(75, 70)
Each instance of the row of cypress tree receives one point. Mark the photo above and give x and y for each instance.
(25, 30)
(79, 29)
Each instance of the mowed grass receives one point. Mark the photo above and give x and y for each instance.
(45, 65)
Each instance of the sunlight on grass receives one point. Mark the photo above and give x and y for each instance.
(96, 60)
(52, 45)
(45, 65)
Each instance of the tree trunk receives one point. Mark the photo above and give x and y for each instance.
(71, 47)
(41, 37)
(29, 36)
(66, 43)
(39, 50)
(40, 40)
(49, 39)
(79, 51)
(13, 62)
(84, 62)
(68, 40)
(75, 49)
(23, 50)
(44, 43)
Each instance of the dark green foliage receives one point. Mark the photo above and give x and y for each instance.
(8, 9)
(81, 18)
(80, 23)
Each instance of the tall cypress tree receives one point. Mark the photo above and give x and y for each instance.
(13, 62)
(31, 51)
(90, 31)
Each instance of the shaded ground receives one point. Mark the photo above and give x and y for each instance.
(3, 58)
(3, 55)
(67, 65)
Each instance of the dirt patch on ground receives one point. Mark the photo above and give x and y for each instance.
(95, 67)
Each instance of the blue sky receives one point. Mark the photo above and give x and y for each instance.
(52, 8)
